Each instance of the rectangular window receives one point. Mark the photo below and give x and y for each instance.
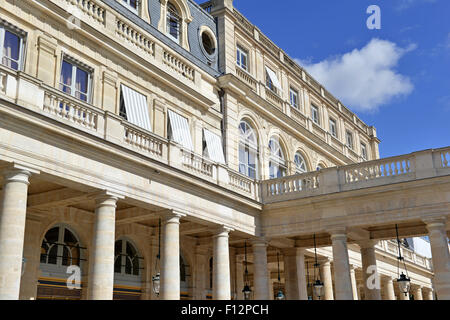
(363, 151)
(179, 131)
(315, 114)
(349, 139)
(134, 108)
(242, 58)
(272, 81)
(333, 128)
(11, 48)
(294, 98)
(132, 4)
(75, 80)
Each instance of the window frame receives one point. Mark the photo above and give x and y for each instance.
(349, 134)
(77, 65)
(240, 51)
(123, 256)
(297, 155)
(333, 124)
(22, 45)
(279, 161)
(168, 26)
(248, 148)
(294, 92)
(316, 120)
(364, 151)
(127, 4)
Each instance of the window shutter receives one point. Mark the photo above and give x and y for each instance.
(214, 145)
(180, 130)
(136, 108)
(273, 77)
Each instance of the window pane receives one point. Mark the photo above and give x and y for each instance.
(66, 257)
(81, 85)
(52, 255)
(66, 77)
(117, 264)
(11, 50)
(133, 3)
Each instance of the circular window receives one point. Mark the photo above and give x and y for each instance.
(208, 43)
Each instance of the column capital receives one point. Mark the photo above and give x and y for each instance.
(367, 244)
(338, 234)
(222, 231)
(325, 261)
(18, 173)
(259, 242)
(435, 223)
(171, 216)
(293, 251)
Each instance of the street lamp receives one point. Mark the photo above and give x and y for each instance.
(156, 279)
(247, 291)
(318, 284)
(403, 281)
(280, 295)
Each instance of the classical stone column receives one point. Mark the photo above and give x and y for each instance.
(260, 270)
(327, 279)
(441, 257)
(101, 261)
(371, 279)
(295, 274)
(342, 278)
(170, 257)
(221, 265)
(240, 269)
(13, 207)
(389, 293)
(428, 294)
(201, 269)
(301, 274)
(354, 284)
(418, 293)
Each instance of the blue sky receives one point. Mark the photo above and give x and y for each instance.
(396, 79)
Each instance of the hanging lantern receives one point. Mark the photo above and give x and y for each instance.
(318, 288)
(24, 263)
(247, 291)
(156, 279)
(404, 284)
(403, 281)
(280, 295)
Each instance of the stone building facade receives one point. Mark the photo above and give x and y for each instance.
(145, 137)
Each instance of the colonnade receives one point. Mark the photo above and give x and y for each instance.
(101, 276)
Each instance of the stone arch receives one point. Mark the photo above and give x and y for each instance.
(186, 18)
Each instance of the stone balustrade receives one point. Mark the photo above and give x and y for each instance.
(90, 8)
(197, 164)
(418, 165)
(143, 141)
(61, 106)
(32, 94)
(378, 169)
(178, 66)
(246, 77)
(299, 185)
(391, 247)
(274, 99)
(135, 37)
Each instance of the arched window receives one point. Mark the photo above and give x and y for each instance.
(277, 162)
(248, 150)
(173, 22)
(60, 247)
(126, 261)
(300, 163)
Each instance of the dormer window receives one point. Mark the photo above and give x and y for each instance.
(173, 23)
(131, 4)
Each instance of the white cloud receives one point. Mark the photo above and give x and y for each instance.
(364, 79)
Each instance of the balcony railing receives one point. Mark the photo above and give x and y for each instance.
(30, 93)
(418, 165)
